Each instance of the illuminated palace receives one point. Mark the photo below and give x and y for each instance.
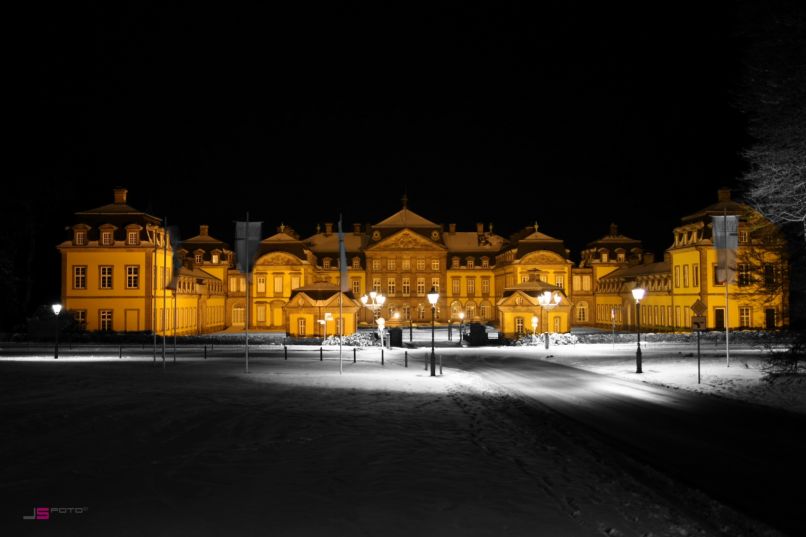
(120, 273)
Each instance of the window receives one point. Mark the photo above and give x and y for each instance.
(586, 282)
(132, 277)
(485, 286)
(717, 275)
(421, 264)
(376, 285)
(215, 259)
(105, 320)
(356, 287)
(435, 264)
(695, 275)
(685, 275)
(326, 263)
(577, 282)
(677, 276)
(769, 275)
(420, 286)
(559, 280)
(582, 312)
(519, 325)
(242, 284)
(406, 286)
(454, 262)
(80, 238)
(455, 286)
(744, 274)
(406, 264)
(106, 239)
(406, 312)
(435, 284)
(391, 285)
(261, 313)
(524, 278)
(485, 262)
(391, 264)
(483, 311)
(420, 312)
(81, 318)
(744, 317)
(620, 257)
(79, 277)
(604, 257)
(132, 238)
(376, 264)
(356, 263)
(294, 281)
(470, 263)
(743, 236)
(233, 285)
(278, 285)
(470, 311)
(106, 277)
(261, 283)
(301, 326)
(199, 259)
(471, 286)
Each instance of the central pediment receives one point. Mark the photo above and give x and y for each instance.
(407, 239)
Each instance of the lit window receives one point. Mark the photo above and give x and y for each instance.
(744, 317)
(471, 286)
(215, 258)
(485, 262)
(390, 286)
(81, 318)
(744, 274)
(406, 286)
(582, 312)
(356, 287)
(261, 283)
(470, 263)
(132, 238)
(435, 284)
(80, 238)
(406, 264)
(483, 311)
(421, 264)
(376, 264)
(559, 280)
(420, 286)
(106, 238)
(455, 286)
(485, 286)
(356, 263)
(743, 235)
(376, 285)
(326, 263)
(435, 264)
(391, 264)
(198, 259)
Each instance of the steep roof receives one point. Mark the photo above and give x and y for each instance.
(613, 240)
(329, 242)
(319, 291)
(643, 269)
(724, 205)
(118, 213)
(406, 218)
(281, 242)
(204, 241)
(473, 242)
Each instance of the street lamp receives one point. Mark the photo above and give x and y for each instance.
(375, 302)
(57, 308)
(461, 324)
(535, 320)
(548, 301)
(638, 295)
(381, 323)
(433, 296)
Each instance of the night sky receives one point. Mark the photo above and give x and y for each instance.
(570, 114)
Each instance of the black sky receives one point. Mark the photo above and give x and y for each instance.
(570, 114)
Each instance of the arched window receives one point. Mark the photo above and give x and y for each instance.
(456, 307)
(470, 311)
(582, 312)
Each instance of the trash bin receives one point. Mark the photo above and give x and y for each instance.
(396, 337)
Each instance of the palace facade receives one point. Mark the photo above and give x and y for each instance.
(119, 272)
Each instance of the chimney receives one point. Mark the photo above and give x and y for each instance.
(613, 230)
(451, 228)
(480, 228)
(357, 229)
(328, 228)
(203, 229)
(120, 196)
(723, 194)
(649, 257)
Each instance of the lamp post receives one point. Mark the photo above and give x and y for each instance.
(535, 320)
(57, 308)
(548, 301)
(461, 325)
(381, 324)
(433, 296)
(638, 295)
(374, 302)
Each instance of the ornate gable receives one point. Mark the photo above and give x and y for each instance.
(278, 259)
(407, 240)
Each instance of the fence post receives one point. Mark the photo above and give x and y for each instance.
(381, 356)
(406, 355)
(205, 352)
(320, 354)
(285, 352)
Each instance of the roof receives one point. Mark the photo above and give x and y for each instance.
(329, 242)
(724, 205)
(643, 269)
(281, 242)
(614, 239)
(472, 242)
(204, 241)
(319, 291)
(119, 212)
(406, 218)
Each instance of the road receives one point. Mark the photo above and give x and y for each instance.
(748, 457)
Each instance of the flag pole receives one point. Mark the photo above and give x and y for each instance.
(164, 282)
(342, 271)
(246, 265)
(727, 282)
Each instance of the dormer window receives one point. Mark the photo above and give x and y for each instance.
(604, 257)
(215, 259)
(455, 262)
(106, 238)
(132, 238)
(485, 262)
(198, 259)
(620, 257)
(326, 263)
(80, 238)
(743, 236)
(356, 263)
(470, 263)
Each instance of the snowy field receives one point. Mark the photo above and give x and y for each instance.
(201, 448)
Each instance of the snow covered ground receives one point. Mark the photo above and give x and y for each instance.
(296, 448)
